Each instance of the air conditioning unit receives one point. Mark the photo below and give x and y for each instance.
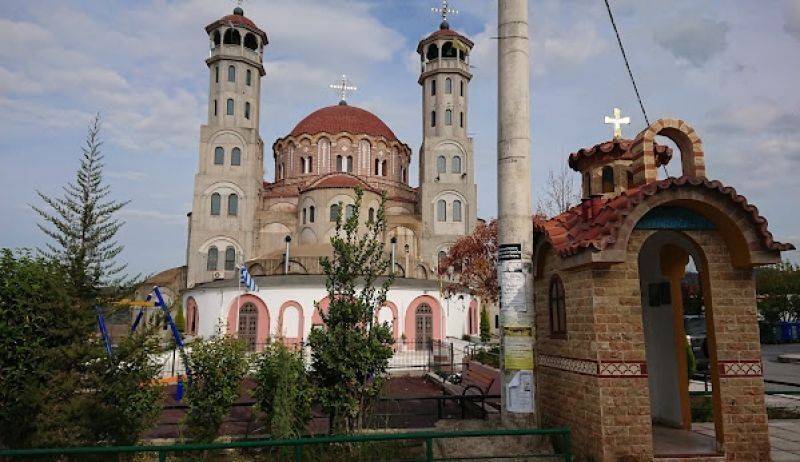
(218, 275)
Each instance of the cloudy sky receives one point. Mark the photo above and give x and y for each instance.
(730, 70)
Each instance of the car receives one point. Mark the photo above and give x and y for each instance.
(695, 327)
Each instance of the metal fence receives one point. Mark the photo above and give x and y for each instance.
(416, 446)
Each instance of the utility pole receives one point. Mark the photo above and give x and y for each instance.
(514, 224)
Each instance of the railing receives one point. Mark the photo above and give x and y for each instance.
(300, 448)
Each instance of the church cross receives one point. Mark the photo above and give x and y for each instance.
(342, 87)
(445, 10)
(617, 121)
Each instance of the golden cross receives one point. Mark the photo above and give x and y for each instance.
(617, 121)
(342, 87)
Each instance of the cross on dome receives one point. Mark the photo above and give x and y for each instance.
(444, 11)
(342, 87)
(617, 120)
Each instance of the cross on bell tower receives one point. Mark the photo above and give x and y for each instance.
(342, 87)
(618, 121)
(444, 10)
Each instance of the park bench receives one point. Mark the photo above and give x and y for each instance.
(479, 378)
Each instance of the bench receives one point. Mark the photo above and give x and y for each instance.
(480, 378)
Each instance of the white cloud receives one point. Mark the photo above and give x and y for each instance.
(692, 38)
(792, 24)
(127, 175)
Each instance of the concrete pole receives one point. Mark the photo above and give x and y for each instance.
(515, 227)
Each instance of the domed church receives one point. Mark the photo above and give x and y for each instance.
(239, 218)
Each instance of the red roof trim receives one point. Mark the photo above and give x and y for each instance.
(613, 150)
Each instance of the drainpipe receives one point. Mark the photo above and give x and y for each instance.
(394, 252)
(288, 239)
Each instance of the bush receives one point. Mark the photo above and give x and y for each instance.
(282, 392)
(485, 335)
(218, 366)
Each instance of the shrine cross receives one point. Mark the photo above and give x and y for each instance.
(618, 121)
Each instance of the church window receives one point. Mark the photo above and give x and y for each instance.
(448, 117)
(440, 257)
(216, 74)
(231, 74)
(448, 50)
(433, 51)
(350, 164)
(456, 210)
(433, 87)
(211, 260)
(608, 179)
(433, 118)
(230, 259)
(441, 210)
(441, 164)
(339, 165)
(461, 119)
(384, 169)
(377, 167)
(334, 214)
(350, 210)
(558, 313)
(371, 215)
(455, 166)
(461, 89)
(217, 38)
(233, 205)
(219, 156)
(248, 77)
(247, 110)
(305, 215)
(232, 37)
(215, 203)
(229, 107)
(448, 85)
(250, 41)
(236, 156)
(311, 211)
(215, 108)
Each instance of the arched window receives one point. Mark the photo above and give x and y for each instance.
(250, 41)
(231, 74)
(219, 155)
(377, 167)
(384, 169)
(305, 215)
(230, 259)
(211, 260)
(456, 210)
(608, 179)
(433, 51)
(236, 156)
(247, 110)
(461, 89)
(215, 204)
(232, 37)
(350, 164)
(448, 117)
(461, 119)
(217, 38)
(334, 213)
(455, 164)
(233, 205)
(280, 171)
(248, 77)
(448, 85)
(441, 210)
(558, 313)
(229, 107)
(350, 210)
(440, 257)
(433, 87)
(371, 214)
(339, 165)
(448, 50)
(311, 214)
(441, 164)
(433, 118)
(216, 74)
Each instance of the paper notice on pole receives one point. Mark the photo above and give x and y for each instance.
(517, 347)
(519, 392)
(513, 287)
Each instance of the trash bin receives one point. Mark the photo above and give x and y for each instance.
(788, 332)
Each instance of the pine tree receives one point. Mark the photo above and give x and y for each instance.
(485, 334)
(83, 225)
(351, 352)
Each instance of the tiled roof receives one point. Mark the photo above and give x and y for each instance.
(238, 20)
(339, 180)
(595, 223)
(343, 118)
(443, 34)
(613, 150)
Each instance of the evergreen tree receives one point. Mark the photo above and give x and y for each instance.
(180, 319)
(83, 225)
(485, 334)
(351, 352)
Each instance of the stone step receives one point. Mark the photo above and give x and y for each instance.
(789, 358)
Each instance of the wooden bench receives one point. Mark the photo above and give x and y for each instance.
(477, 377)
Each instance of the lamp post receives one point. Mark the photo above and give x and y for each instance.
(287, 239)
(393, 240)
(407, 248)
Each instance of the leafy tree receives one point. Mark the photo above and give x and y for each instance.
(474, 257)
(283, 391)
(83, 226)
(218, 366)
(485, 335)
(778, 288)
(180, 319)
(351, 352)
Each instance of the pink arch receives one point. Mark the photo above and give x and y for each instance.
(410, 330)
(473, 317)
(392, 307)
(262, 329)
(191, 316)
(316, 319)
(299, 337)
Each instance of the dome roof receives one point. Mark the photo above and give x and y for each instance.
(238, 19)
(343, 118)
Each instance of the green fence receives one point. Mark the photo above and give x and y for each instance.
(300, 449)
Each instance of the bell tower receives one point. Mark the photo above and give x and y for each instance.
(231, 157)
(448, 195)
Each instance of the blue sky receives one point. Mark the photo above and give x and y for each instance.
(729, 69)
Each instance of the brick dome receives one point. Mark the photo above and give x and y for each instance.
(343, 118)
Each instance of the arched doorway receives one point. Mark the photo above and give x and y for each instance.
(248, 325)
(248, 318)
(423, 326)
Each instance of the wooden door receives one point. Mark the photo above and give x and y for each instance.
(248, 325)
(424, 327)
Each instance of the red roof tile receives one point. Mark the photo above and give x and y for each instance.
(238, 20)
(613, 150)
(339, 180)
(343, 118)
(595, 223)
(443, 34)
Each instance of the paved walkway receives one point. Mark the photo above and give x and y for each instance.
(784, 436)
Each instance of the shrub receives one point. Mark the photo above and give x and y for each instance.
(485, 335)
(282, 392)
(218, 366)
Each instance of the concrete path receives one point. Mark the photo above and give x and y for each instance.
(784, 436)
